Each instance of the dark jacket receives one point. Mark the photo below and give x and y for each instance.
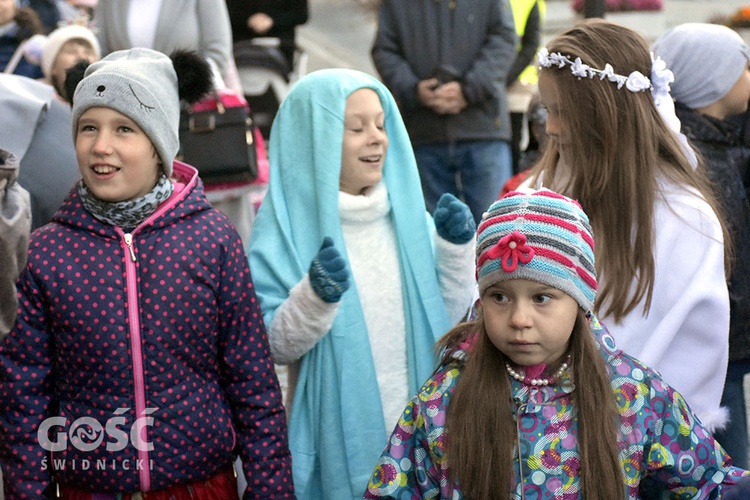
(477, 39)
(726, 161)
(165, 329)
(286, 15)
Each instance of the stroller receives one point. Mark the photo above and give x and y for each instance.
(266, 77)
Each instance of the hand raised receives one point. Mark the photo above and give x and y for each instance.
(453, 220)
(329, 275)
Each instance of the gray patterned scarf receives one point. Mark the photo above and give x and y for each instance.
(126, 214)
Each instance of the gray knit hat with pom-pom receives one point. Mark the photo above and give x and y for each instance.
(141, 84)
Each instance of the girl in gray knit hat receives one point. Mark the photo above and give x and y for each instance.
(139, 363)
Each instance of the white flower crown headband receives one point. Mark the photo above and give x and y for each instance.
(661, 77)
(636, 81)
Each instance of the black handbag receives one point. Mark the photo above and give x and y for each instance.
(217, 138)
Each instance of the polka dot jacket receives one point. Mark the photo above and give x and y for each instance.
(140, 360)
(665, 452)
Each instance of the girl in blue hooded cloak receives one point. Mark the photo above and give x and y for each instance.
(344, 207)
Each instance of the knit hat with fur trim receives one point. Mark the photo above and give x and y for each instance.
(706, 59)
(60, 37)
(540, 236)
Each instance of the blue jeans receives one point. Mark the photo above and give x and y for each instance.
(473, 171)
(734, 437)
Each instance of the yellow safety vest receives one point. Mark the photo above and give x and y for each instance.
(521, 10)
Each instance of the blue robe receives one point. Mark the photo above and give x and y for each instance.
(336, 421)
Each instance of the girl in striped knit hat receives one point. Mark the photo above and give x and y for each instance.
(534, 399)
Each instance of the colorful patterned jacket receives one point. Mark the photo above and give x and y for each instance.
(664, 449)
(154, 334)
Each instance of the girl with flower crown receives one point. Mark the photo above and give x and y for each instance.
(661, 252)
(534, 399)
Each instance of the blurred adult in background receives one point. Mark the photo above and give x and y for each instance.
(39, 136)
(704, 99)
(523, 75)
(75, 11)
(166, 26)
(17, 26)
(446, 64)
(47, 10)
(56, 13)
(268, 18)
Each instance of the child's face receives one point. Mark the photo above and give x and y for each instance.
(365, 142)
(117, 160)
(530, 322)
(70, 53)
(550, 98)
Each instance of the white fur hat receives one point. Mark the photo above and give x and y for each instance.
(57, 39)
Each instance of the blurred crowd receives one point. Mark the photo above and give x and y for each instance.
(542, 250)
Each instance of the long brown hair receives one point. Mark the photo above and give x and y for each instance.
(481, 429)
(619, 150)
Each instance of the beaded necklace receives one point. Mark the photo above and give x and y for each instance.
(537, 382)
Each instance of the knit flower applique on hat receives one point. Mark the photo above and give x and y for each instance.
(511, 249)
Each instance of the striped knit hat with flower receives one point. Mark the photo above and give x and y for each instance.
(541, 236)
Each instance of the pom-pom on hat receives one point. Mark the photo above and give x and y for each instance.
(706, 59)
(59, 37)
(541, 236)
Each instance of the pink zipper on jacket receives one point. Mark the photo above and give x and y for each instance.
(135, 349)
(127, 244)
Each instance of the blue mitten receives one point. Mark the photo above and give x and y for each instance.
(739, 491)
(329, 276)
(453, 220)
